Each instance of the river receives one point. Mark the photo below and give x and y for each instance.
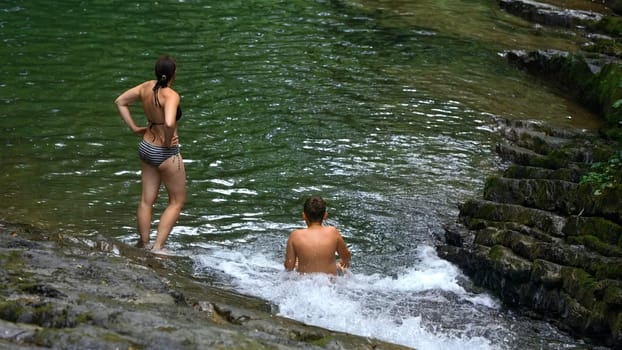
(382, 107)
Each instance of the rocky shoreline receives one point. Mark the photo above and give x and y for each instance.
(93, 293)
(542, 240)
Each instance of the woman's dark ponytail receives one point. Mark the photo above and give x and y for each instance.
(164, 71)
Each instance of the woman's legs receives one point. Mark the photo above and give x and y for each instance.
(150, 182)
(173, 175)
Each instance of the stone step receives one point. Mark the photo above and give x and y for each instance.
(551, 195)
(529, 172)
(474, 213)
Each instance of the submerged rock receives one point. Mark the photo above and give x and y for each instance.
(591, 79)
(82, 293)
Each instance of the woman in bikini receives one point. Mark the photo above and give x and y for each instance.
(160, 160)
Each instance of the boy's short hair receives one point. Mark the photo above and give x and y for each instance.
(315, 208)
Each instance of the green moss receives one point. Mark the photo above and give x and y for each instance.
(615, 324)
(38, 313)
(11, 311)
(606, 269)
(84, 317)
(611, 25)
(496, 253)
(606, 231)
(597, 91)
(490, 185)
(608, 47)
(473, 208)
(613, 293)
(321, 342)
(112, 338)
(488, 237)
(47, 315)
(608, 90)
(167, 329)
(536, 144)
(17, 276)
(597, 245)
(44, 337)
(580, 285)
(554, 160)
(314, 338)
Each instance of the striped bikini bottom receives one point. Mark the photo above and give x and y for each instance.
(155, 155)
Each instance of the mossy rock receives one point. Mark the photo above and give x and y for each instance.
(612, 292)
(550, 195)
(575, 314)
(556, 159)
(39, 313)
(615, 324)
(527, 172)
(606, 268)
(608, 204)
(580, 285)
(592, 80)
(595, 244)
(520, 244)
(489, 236)
(611, 25)
(605, 46)
(492, 211)
(547, 273)
(607, 87)
(605, 230)
(507, 263)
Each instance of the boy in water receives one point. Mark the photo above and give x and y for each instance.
(312, 249)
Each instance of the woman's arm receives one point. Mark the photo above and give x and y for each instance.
(170, 118)
(123, 106)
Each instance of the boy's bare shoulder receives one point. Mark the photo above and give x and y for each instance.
(296, 233)
(332, 230)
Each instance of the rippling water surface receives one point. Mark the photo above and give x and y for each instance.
(382, 107)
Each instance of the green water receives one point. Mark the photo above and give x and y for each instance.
(382, 107)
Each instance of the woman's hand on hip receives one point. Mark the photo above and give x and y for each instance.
(140, 131)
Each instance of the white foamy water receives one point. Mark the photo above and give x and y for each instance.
(413, 307)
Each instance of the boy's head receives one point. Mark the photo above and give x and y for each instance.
(314, 209)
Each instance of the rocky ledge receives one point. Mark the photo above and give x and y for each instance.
(61, 292)
(547, 14)
(543, 242)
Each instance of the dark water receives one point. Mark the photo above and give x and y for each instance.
(382, 107)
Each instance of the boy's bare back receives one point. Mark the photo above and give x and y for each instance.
(313, 249)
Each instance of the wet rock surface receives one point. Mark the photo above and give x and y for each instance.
(62, 292)
(540, 240)
(591, 79)
(548, 14)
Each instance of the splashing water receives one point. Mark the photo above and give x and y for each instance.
(402, 308)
